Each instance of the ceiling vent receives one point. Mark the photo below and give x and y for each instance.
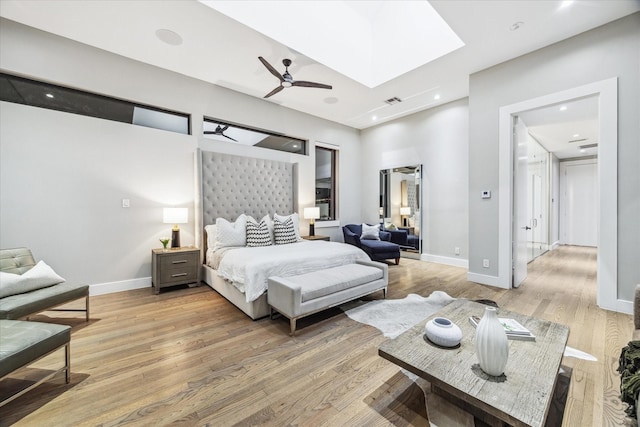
(584, 147)
(394, 100)
(577, 140)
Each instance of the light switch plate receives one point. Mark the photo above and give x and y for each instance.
(486, 194)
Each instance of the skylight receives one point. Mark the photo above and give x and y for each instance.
(371, 42)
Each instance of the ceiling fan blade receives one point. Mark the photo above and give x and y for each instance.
(273, 92)
(229, 137)
(311, 84)
(270, 68)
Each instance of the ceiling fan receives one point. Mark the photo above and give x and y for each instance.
(219, 131)
(286, 80)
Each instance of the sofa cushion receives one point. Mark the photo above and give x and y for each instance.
(326, 282)
(40, 276)
(23, 342)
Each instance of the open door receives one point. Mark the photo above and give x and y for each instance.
(520, 202)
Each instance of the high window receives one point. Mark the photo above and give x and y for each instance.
(35, 93)
(326, 190)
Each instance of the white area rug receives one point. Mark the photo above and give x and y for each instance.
(394, 316)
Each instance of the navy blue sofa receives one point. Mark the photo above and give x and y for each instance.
(376, 249)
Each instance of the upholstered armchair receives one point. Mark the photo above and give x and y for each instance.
(376, 249)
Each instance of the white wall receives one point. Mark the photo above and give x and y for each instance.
(612, 50)
(62, 176)
(437, 139)
(554, 241)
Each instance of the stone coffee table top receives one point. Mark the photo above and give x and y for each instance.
(520, 397)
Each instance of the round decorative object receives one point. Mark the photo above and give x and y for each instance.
(443, 332)
(492, 346)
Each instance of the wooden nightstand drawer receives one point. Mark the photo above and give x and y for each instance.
(175, 267)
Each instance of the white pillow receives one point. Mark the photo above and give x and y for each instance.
(231, 233)
(295, 219)
(212, 235)
(40, 276)
(370, 232)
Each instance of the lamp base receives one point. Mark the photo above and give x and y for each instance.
(312, 230)
(175, 238)
(406, 222)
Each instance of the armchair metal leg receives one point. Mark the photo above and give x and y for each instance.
(87, 306)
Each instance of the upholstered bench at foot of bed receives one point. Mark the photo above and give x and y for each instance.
(22, 343)
(23, 305)
(300, 296)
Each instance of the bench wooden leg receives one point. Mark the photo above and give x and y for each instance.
(292, 323)
(397, 261)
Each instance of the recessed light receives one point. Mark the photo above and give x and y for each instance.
(563, 108)
(565, 3)
(169, 37)
(49, 95)
(516, 25)
(576, 135)
(582, 150)
(436, 96)
(374, 118)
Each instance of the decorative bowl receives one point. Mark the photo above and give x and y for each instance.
(443, 332)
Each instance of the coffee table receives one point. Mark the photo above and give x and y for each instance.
(520, 397)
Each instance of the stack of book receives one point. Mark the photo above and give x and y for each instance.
(513, 328)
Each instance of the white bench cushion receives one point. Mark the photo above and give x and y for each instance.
(326, 282)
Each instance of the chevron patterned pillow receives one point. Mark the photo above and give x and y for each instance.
(284, 231)
(258, 234)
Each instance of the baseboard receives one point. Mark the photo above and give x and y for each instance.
(484, 279)
(123, 285)
(456, 262)
(554, 245)
(623, 306)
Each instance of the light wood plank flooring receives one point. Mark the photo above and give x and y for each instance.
(189, 357)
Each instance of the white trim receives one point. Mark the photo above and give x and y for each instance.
(327, 224)
(328, 145)
(439, 259)
(484, 279)
(554, 245)
(623, 306)
(607, 91)
(123, 285)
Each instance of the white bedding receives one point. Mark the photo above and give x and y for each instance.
(249, 268)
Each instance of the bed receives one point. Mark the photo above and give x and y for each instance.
(233, 185)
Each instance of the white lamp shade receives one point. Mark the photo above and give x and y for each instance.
(311, 213)
(406, 210)
(175, 215)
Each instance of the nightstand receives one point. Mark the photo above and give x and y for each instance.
(317, 237)
(178, 266)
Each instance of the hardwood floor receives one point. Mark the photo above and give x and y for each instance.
(189, 357)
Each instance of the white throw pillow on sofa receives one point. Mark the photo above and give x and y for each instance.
(40, 276)
(370, 232)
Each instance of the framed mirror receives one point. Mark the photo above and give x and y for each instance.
(400, 201)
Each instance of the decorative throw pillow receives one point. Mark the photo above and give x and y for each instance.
(231, 234)
(294, 218)
(258, 234)
(284, 231)
(40, 276)
(370, 232)
(212, 235)
(390, 226)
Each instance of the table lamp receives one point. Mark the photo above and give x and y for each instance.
(312, 214)
(405, 211)
(175, 216)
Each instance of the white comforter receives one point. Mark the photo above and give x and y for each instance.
(249, 268)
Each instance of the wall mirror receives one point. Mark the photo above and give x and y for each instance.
(400, 206)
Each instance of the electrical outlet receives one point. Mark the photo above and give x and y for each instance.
(457, 250)
(126, 203)
(485, 263)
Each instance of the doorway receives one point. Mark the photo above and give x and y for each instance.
(606, 92)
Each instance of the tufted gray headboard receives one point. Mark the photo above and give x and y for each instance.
(231, 185)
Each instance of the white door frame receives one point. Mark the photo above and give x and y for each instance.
(607, 91)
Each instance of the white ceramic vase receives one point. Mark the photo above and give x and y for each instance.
(443, 332)
(492, 345)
